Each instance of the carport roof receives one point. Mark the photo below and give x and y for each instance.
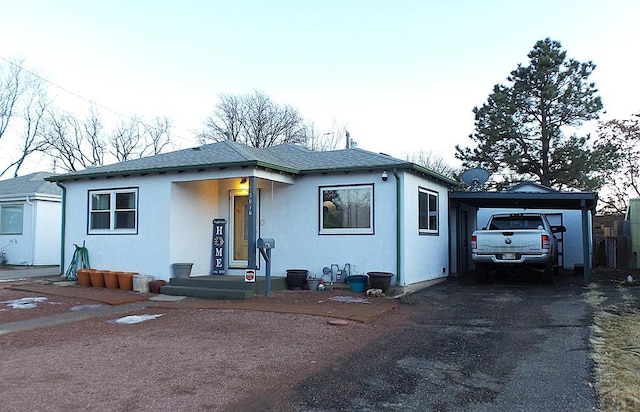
(530, 200)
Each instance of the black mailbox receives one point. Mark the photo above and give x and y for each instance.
(266, 243)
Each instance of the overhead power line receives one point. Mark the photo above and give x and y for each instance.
(72, 93)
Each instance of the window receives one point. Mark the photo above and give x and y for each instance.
(11, 219)
(346, 210)
(427, 211)
(113, 211)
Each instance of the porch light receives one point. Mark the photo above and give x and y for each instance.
(244, 184)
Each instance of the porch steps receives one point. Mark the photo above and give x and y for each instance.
(220, 287)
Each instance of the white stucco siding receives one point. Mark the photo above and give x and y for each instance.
(194, 205)
(290, 214)
(48, 223)
(425, 256)
(39, 242)
(146, 252)
(18, 246)
(572, 243)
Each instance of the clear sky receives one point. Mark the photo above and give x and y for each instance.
(403, 75)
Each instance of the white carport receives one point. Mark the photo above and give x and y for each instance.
(463, 222)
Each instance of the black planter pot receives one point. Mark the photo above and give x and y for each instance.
(296, 278)
(380, 280)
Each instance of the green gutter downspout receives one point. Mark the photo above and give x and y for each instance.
(63, 225)
(398, 222)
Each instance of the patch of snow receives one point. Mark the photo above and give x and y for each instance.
(348, 299)
(84, 307)
(128, 320)
(25, 303)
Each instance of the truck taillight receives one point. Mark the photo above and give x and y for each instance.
(545, 241)
(474, 242)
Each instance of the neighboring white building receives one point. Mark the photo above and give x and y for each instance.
(370, 210)
(30, 220)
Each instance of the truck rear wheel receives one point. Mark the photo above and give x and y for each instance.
(482, 274)
(548, 275)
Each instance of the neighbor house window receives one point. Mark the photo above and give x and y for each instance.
(427, 211)
(11, 219)
(113, 211)
(346, 209)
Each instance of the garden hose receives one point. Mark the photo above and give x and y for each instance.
(80, 260)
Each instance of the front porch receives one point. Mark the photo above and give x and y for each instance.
(231, 287)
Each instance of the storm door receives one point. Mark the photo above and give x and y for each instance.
(239, 228)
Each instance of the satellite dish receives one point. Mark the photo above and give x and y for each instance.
(475, 178)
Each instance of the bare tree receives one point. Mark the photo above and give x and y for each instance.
(622, 182)
(11, 90)
(125, 139)
(157, 136)
(255, 120)
(324, 141)
(32, 115)
(23, 102)
(75, 143)
(433, 162)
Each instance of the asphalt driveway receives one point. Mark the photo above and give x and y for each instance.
(504, 346)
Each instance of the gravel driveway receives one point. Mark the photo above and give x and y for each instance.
(504, 346)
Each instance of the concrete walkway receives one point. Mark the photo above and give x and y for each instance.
(24, 272)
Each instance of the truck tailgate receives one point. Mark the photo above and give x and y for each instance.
(523, 241)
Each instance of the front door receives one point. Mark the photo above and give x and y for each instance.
(239, 226)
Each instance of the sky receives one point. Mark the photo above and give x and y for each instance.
(403, 76)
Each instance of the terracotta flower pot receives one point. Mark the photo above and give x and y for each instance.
(125, 280)
(83, 277)
(111, 279)
(97, 278)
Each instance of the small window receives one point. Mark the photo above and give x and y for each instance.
(346, 209)
(427, 211)
(11, 217)
(113, 211)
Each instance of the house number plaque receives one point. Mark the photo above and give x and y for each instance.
(219, 240)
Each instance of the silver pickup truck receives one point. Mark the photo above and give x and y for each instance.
(516, 240)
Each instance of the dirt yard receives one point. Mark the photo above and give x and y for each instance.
(184, 359)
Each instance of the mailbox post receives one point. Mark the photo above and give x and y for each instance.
(265, 245)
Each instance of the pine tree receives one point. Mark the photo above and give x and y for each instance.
(522, 131)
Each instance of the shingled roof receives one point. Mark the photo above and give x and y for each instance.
(29, 185)
(287, 158)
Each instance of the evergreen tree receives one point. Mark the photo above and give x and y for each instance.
(522, 131)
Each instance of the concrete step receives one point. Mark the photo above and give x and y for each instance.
(214, 287)
(206, 293)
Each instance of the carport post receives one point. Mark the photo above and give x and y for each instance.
(586, 241)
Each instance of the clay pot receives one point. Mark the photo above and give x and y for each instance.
(380, 280)
(111, 279)
(83, 277)
(125, 280)
(155, 285)
(97, 278)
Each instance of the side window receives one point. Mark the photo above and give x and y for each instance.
(427, 211)
(346, 210)
(113, 211)
(11, 217)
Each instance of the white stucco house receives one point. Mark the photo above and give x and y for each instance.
(30, 220)
(370, 210)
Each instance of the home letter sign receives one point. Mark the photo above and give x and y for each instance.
(219, 240)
